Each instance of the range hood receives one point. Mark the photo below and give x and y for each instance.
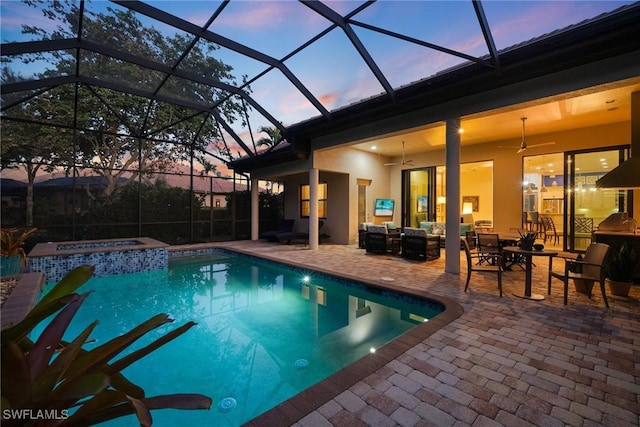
(627, 174)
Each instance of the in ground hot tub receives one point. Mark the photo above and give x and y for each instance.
(109, 257)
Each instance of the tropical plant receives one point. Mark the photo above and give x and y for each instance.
(274, 136)
(81, 387)
(622, 264)
(13, 242)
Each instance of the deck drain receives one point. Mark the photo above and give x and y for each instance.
(301, 363)
(227, 404)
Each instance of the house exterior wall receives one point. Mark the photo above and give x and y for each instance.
(507, 166)
(386, 181)
(355, 165)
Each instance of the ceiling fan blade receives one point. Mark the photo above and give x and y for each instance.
(542, 144)
(390, 164)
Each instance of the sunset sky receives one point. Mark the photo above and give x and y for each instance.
(331, 68)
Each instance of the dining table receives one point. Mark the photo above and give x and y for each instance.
(528, 255)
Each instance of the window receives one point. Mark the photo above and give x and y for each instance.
(305, 201)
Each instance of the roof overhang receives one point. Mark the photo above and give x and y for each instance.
(626, 176)
(598, 51)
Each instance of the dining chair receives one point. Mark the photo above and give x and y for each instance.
(550, 231)
(487, 247)
(495, 267)
(591, 269)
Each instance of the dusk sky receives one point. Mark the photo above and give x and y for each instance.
(331, 68)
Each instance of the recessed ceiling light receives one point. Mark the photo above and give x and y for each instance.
(460, 131)
(374, 147)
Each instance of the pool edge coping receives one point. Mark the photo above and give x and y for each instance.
(50, 249)
(300, 405)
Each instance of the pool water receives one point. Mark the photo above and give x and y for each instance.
(265, 331)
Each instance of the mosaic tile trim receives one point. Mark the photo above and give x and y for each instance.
(105, 263)
(94, 245)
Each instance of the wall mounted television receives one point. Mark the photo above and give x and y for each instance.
(384, 207)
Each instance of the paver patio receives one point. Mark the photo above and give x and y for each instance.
(504, 361)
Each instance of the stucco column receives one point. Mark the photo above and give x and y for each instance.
(255, 209)
(452, 162)
(313, 208)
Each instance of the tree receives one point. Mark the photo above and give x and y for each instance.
(37, 148)
(273, 136)
(127, 135)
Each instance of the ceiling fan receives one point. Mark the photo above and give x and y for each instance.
(523, 143)
(403, 162)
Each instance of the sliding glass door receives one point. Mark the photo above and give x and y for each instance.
(588, 205)
(424, 194)
(419, 196)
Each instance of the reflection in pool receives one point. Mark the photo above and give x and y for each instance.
(265, 331)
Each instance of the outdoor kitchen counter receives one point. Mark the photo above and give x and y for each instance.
(615, 240)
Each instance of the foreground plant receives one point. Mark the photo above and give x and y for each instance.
(54, 382)
(12, 241)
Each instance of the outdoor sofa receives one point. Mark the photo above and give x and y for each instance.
(467, 231)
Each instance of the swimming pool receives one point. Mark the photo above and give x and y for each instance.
(265, 331)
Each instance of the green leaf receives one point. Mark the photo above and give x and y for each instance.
(121, 383)
(20, 330)
(16, 379)
(179, 401)
(104, 406)
(82, 387)
(44, 384)
(142, 412)
(100, 356)
(69, 283)
(137, 355)
(49, 340)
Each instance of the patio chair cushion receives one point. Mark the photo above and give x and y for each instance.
(390, 225)
(377, 229)
(439, 228)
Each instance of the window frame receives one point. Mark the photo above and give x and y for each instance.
(305, 200)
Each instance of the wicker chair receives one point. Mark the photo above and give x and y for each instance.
(417, 245)
(378, 240)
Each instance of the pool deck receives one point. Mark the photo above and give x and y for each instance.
(504, 361)
(489, 361)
